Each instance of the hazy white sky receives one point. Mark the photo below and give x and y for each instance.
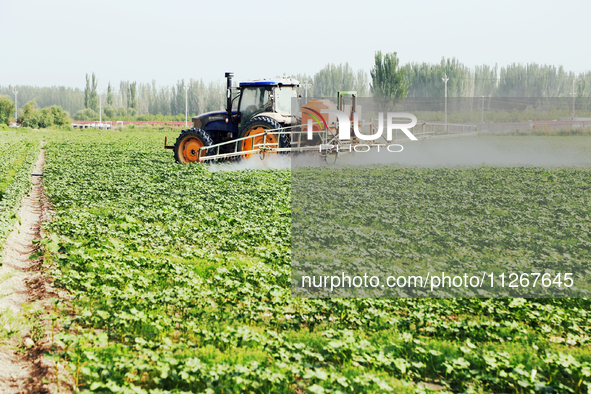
(57, 42)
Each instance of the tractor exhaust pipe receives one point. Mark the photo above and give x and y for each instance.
(229, 77)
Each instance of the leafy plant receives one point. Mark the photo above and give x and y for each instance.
(181, 280)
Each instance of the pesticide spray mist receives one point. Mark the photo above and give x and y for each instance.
(271, 162)
(537, 151)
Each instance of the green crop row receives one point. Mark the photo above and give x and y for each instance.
(18, 153)
(453, 220)
(181, 282)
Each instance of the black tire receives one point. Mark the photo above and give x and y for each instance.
(184, 153)
(266, 123)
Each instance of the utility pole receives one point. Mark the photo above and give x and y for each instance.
(186, 106)
(306, 85)
(482, 111)
(15, 105)
(445, 79)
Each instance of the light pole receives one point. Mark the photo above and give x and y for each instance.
(186, 106)
(445, 79)
(15, 105)
(306, 85)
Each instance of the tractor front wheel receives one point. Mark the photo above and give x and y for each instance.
(188, 144)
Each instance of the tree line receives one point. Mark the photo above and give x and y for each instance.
(514, 80)
(70, 99)
(133, 100)
(387, 78)
(33, 117)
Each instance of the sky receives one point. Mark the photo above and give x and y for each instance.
(47, 43)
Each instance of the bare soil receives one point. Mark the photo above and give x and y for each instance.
(24, 288)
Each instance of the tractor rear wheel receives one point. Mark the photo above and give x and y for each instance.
(186, 148)
(256, 128)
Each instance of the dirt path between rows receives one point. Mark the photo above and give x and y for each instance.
(25, 299)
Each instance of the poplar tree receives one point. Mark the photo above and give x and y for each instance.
(109, 95)
(387, 76)
(90, 93)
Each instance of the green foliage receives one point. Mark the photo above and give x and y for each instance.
(6, 109)
(334, 78)
(387, 76)
(109, 95)
(150, 99)
(162, 118)
(425, 80)
(70, 99)
(86, 114)
(87, 90)
(58, 115)
(29, 115)
(514, 80)
(582, 88)
(28, 320)
(534, 80)
(457, 205)
(132, 103)
(35, 118)
(180, 281)
(117, 113)
(18, 152)
(90, 93)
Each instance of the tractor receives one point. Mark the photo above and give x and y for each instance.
(252, 109)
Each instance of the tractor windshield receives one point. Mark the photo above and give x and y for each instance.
(283, 96)
(254, 99)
